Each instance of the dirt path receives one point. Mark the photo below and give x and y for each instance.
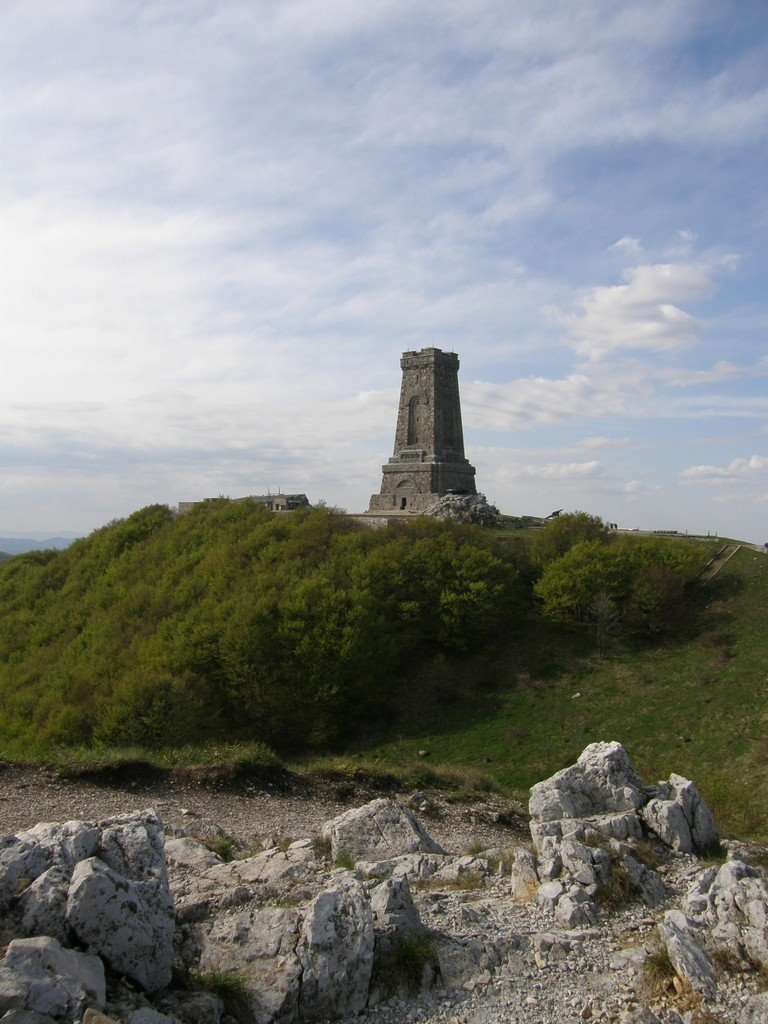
(247, 810)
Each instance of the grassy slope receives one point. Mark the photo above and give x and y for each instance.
(698, 707)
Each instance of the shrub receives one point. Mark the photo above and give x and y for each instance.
(223, 845)
(620, 889)
(412, 954)
(229, 987)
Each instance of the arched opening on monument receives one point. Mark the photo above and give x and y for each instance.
(404, 494)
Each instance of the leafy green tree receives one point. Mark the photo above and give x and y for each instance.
(563, 532)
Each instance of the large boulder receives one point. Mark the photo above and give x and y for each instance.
(601, 782)
(39, 976)
(687, 954)
(731, 906)
(260, 945)
(681, 818)
(129, 923)
(379, 830)
(308, 964)
(335, 950)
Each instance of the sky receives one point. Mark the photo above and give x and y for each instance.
(223, 221)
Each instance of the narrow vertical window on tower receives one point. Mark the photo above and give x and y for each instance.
(413, 420)
(428, 461)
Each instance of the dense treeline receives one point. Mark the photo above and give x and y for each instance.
(231, 622)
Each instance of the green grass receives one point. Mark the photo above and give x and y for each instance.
(234, 758)
(224, 846)
(229, 987)
(413, 954)
(697, 706)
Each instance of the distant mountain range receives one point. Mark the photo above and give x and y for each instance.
(17, 545)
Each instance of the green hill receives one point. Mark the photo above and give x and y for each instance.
(695, 704)
(499, 652)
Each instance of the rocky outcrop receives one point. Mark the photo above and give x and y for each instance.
(379, 830)
(102, 886)
(465, 508)
(730, 906)
(308, 963)
(680, 817)
(588, 822)
(117, 918)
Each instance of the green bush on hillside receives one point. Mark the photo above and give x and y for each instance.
(645, 579)
(232, 622)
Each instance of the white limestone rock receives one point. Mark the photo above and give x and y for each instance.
(44, 904)
(648, 883)
(260, 945)
(456, 868)
(379, 830)
(409, 865)
(548, 895)
(133, 845)
(127, 922)
(190, 855)
(696, 900)
(335, 950)
(38, 975)
(270, 868)
(587, 865)
(524, 876)
(687, 954)
(575, 909)
(737, 910)
(21, 862)
(64, 843)
(306, 964)
(680, 817)
(602, 781)
(465, 508)
(393, 908)
(465, 958)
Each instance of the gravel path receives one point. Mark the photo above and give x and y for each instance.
(246, 810)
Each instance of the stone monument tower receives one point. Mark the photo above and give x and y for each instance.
(428, 461)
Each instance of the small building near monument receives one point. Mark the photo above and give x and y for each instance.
(428, 460)
(274, 502)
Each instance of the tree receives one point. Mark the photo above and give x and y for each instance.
(560, 535)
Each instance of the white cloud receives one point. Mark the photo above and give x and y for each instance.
(558, 471)
(641, 315)
(680, 377)
(740, 470)
(524, 403)
(628, 247)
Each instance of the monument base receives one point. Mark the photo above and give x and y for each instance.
(409, 486)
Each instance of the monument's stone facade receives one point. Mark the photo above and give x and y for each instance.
(428, 460)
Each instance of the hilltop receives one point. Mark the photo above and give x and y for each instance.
(422, 650)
